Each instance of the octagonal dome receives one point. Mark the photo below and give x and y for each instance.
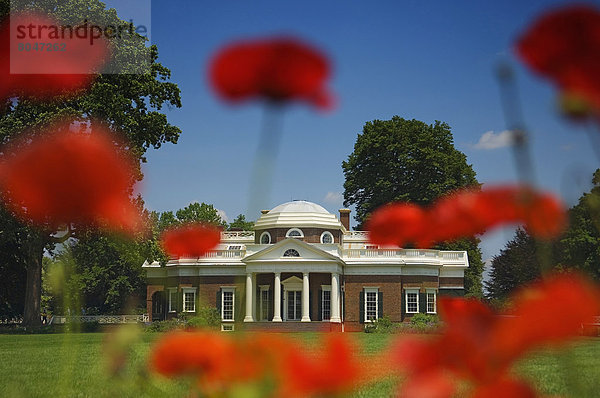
(298, 213)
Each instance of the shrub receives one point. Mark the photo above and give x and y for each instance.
(381, 325)
(424, 319)
(206, 317)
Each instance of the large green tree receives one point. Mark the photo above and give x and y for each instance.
(401, 160)
(579, 247)
(130, 104)
(516, 265)
(240, 223)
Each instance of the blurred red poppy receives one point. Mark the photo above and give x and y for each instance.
(40, 66)
(564, 46)
(278, 69)
(190, 240)
(203, 354)
(477, 345)
(466, 213)
(63, 177)
(331, 370)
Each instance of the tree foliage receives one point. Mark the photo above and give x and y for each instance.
(516, 265)
(130, 105)
(409, 161)
(240, 223)
(405, 161)
(579, 247)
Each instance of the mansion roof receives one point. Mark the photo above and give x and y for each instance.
(310, 224)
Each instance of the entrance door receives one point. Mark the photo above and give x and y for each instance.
(294, 305)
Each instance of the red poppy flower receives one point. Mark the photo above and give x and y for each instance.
(279, 70)
(564, 46)
(64, 177)
(61, 66)
(193, 239)
(329, 371)
(396, 224)
(204, 354)
(477, 345)
(466, 213)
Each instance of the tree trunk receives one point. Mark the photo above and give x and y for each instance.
(34, 251)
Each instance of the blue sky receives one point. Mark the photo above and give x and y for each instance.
(430, 61)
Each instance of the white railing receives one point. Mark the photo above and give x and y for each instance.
(356, 236)
(453, 255)
(102, 319)
(224, 254)
(238, 235)
(403, 253)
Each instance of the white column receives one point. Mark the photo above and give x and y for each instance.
(254, 298)
(335, 297)
(277, 298)
(305, 298)
(249, 288)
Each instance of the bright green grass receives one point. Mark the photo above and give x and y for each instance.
(72, 365)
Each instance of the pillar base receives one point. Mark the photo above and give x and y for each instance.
(305, 319)
(277, 319)
(248, 319)
(335, 320)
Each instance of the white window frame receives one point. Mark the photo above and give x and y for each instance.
(227, 327)
(185, 290)
(325, 288)
(434, 292)
(376, 291)
(406, 293)
(172, 290)
(327, 233)
(264, 288)
(266, 233)
(228, 289)
(289, 231)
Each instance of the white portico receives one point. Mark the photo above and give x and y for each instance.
(293, 256)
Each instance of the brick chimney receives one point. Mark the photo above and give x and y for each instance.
(345, 218)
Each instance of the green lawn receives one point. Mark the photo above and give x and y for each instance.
(73, 365)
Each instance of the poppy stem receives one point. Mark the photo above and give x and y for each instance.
(513, 116)
(261, 180)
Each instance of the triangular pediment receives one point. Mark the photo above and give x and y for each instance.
(305, 251)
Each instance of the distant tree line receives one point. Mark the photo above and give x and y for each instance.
(525, 259)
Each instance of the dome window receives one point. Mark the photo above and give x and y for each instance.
(291, 253)
(326, 237)
(294, 233)
(265, 238)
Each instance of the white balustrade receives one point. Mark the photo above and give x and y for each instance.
(238, 235)
(404, 253)
(102, 319)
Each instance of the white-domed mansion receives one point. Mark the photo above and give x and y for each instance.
(302, 268)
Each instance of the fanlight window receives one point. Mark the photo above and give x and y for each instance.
(291, 253)
(265, 238)
(294, 233)
(326, 237)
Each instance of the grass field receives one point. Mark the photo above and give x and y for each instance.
(73, 365)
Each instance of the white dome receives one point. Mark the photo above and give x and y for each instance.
(299, 214)
(299, 206)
